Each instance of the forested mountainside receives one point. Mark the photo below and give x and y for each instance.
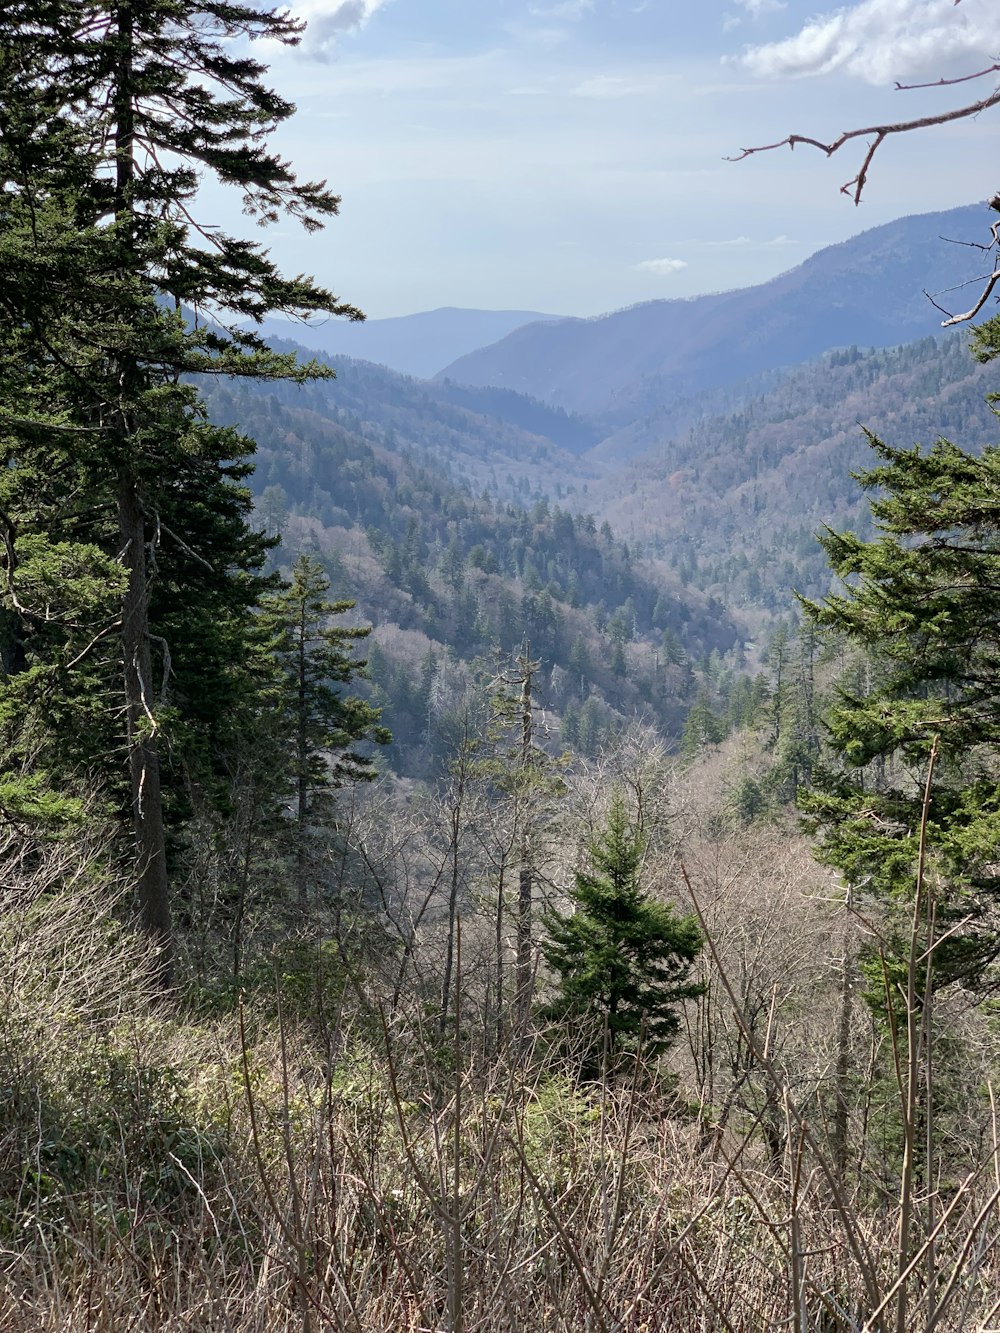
(725, 490)
(735, 502)
(446, 577)
(487, 439)
(866, 291)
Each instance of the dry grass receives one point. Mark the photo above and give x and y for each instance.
(251, 1174)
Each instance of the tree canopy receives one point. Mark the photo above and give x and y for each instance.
(923, 600)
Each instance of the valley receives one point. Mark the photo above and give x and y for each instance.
(656, 546)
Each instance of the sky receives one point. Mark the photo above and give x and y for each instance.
(569, 156)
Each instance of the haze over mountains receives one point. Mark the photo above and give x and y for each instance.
(867, 291)
(410, 344)
(554, 404)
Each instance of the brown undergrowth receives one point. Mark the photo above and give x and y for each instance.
(287, 1168)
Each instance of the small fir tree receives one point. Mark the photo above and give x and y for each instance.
(622, 960)
(324, 724)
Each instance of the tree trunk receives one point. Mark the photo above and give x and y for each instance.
(144, 759)
(498, 978)
(302, 762)
(840, 1109)
(449, 951)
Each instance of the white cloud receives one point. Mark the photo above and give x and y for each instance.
(327, 19)
(663, 268)
(756, 9)
(543, 38)
(733, 243)
(885, 40)
(743, 242)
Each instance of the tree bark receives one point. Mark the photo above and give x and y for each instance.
(143, 753)
(526, 871)
(843, 1069)
(302, 760)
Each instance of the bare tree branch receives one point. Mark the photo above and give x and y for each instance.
(854, 188)
(948, 83)
(984, 296)
(877, 135)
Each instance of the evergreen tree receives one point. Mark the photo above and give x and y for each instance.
(621, 959)
(702, 726)
(923, 599)
(322, 723)
(110, 114)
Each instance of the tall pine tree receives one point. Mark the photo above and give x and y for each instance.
(110, 115)
(323, 726)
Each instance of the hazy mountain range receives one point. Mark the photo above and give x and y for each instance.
(703, 442)
(698, 425)
(716, 435)
(418, 344)
(867, 291)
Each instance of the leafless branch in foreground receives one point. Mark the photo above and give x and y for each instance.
(877, 135)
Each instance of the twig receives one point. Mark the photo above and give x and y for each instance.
(854, 188)
(947, 83)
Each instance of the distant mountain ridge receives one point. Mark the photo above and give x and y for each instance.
(722, 485)
(419, 344)
(866, 291)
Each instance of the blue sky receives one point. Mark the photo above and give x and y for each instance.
(567, 156)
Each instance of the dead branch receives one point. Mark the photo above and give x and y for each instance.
(947, 83)
(877, 135)
(984, 296)
(854, 188)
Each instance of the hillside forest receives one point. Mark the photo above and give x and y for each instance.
(476, 853)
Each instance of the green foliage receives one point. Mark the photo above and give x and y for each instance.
(128, 571)
(31, 798)
(702, 727)
(923, 600)
(622, 959)
(313, 661)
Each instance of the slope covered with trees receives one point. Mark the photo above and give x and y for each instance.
(735, 501)
(447, 578)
